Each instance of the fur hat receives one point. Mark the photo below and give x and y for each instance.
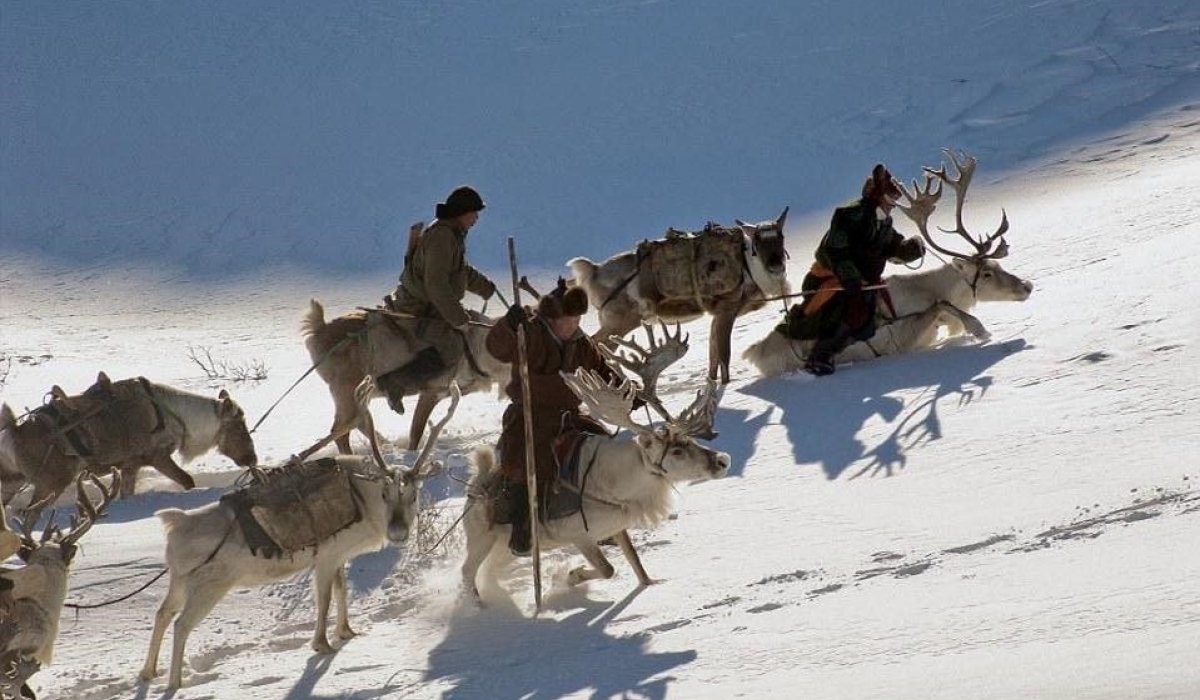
(880, 183)
(563, 301)
(462, 200)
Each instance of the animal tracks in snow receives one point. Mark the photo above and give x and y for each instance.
(883, 565)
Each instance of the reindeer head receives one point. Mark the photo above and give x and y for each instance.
(987, 278)
(233, 438)
(669, 450)
(403, 487)
(765, 242)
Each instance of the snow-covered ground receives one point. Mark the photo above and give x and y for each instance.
(1013, 519)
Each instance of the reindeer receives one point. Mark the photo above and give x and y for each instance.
(928, 306)
(209, 552)
(342, 355)
(622, 306)
(628, 482)
(125, 425)
(29, 624)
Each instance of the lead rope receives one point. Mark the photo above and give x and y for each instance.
(337, 346)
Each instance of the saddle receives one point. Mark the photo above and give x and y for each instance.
(685, 266)
(294, 507)
(564, 497)
(105, 422)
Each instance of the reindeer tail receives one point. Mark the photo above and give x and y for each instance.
(171, 518)
(483, 461)
(583, 270)
(314, 320)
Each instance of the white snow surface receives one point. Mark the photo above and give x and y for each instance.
(1018, 518)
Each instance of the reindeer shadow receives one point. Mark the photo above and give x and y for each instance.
(822, 417)
(495, 655)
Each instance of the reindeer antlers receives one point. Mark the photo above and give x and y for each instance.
(611, 403)
(415, 472)
(923, 201)
(86, 514)
(649, 362)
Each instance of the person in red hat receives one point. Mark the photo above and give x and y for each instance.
(554, 343)
(852, 255)
(436, 276)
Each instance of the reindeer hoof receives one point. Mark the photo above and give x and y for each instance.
(347, 633)
(322, 646)
(577, 576)
(148, 675)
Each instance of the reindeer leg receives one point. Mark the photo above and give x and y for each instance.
(343, 616)
(200, 602)
(426, 402)
(480, 539)
(958, 321)
(171, 605)
(167, 466)
(601, 567)
(345, 418)
(322, 589)
(632, 557)
(719, 346)
(129, 480)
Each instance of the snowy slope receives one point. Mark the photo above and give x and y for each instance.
(1014, 519)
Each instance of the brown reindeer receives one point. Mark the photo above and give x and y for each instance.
(345, 353)
(724, 272)
(126, 424)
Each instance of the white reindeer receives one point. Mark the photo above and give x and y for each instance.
(40, 587)
(629, 483)
(929, 306)
(622, 304)
(207, 553)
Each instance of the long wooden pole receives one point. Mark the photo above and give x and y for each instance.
(530, 462)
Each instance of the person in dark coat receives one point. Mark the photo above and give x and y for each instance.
(554, 342)
(859, 243)
(436, 276)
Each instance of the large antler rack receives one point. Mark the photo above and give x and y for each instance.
(420, 469)
(611, 403)
(921, 203)
(649, 362)
(86, 512)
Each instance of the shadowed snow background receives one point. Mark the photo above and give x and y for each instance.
(1017, 518)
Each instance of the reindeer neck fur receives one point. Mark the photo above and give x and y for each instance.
(50, 599)
(768, 284)
(623, 474)
(194, 418)
(916, 292)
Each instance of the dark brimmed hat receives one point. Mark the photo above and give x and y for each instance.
(880, 183)
(461, 201)
(563, 301)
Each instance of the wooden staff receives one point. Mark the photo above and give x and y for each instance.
(530, 463)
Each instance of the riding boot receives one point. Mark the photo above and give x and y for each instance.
(410, 378)
(820, 360)
(518, 509)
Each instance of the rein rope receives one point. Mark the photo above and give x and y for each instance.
(81, 606)
(337, 346)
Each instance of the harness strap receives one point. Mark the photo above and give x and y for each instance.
(639, 258)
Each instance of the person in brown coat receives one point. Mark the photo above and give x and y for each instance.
(554, 342)
(436, 276)
(852, 254)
